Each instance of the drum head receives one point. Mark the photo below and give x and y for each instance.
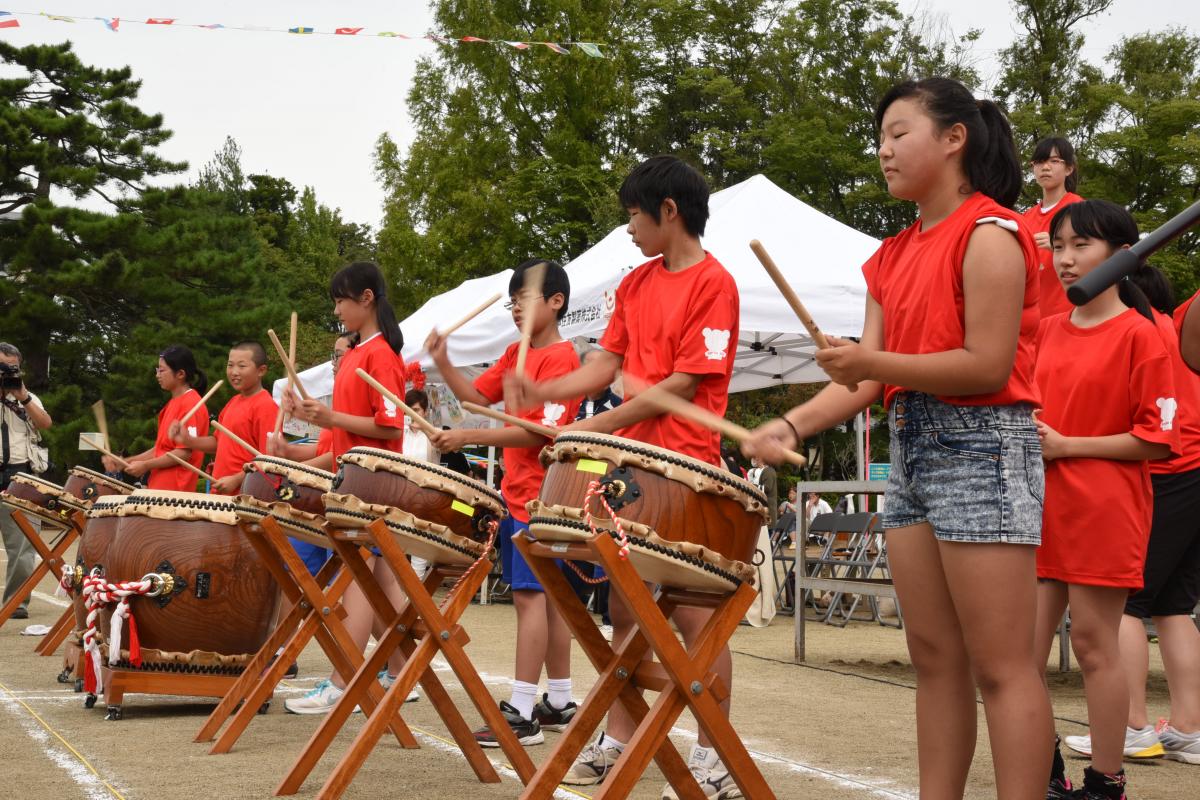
(417, 537)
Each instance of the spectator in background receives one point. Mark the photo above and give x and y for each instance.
(416, 442)
(593, 404)
(456, 461)
(785, 523)
(729, 456)
(816, 506)
(763, 476)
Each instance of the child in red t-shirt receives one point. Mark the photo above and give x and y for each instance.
(1188, 326)
(1056, 172)
(317, 454)
(1109, 407)
(948, 339)
(360, 416)
(250, 414)
(542, 636)
(675, 325)
(179, 376)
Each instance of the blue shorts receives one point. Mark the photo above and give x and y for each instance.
(974, 473)
(313, 557)
(515, 570)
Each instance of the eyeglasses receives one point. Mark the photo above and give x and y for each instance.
(1055, 162)
(519, 302)
(336, 356)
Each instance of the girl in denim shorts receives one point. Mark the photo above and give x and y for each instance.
(952, 312)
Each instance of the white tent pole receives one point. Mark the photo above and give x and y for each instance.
(860, 451)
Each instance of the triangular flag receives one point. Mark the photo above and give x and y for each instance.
(111, 24)
(393, 34)
(57, 17)
(519, 45)
(346, 31)
(10, 23)
(213, 26)
(5, 13)
(300, 29)
(592, 50)
(558, 48)
(433, 37)
(472, 39)
(160, 21)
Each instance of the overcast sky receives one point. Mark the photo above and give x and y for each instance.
(309, 108)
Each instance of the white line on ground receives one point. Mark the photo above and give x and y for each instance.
(51, 599)
(93, 787)
(438, 744)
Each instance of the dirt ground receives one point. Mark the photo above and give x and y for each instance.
(839, 726)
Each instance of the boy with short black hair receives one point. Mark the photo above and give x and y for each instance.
(542, 636)
(675, 325)
(250, 414)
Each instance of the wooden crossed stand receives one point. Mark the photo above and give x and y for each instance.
(315, 612)
(682, 678)
(51, 561)
(420, 629)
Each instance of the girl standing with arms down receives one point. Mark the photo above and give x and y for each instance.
(1109, 394)
(1055, 170)
(949, 339)
(177, 375)
(360, 416)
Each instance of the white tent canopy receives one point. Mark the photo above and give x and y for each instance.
(821, 258)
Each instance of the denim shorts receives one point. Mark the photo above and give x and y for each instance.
(974, 473)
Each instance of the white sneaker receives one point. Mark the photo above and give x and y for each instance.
(1179, 746)
(593, 763)
(386, 681)
(320, 700)
(606, 632)
(715, 781)
(1141, 743)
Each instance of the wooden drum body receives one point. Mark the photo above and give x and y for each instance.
(288, 491)
(40, 498)
(683, 512)
(221, 600)
(86, 485)
(426, 491)
(98, 533)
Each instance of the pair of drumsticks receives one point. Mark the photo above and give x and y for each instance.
(664, 400)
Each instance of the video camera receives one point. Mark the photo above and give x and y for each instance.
(10, 378)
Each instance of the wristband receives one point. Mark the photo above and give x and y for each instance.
(795, 433)
(26, 401)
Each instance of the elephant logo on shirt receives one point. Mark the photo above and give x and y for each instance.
(552, 412)
(389, 407)
(716, 342)
(1166, 410)
(191, 430)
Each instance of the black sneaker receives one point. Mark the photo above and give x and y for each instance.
(527, 731)
(292, 671)
(551, 718)
(20, 613)
(1061, 789)
(1098, 786)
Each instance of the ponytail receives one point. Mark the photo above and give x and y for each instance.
(989, 159)
(351, 281)
(178, 357)
(1155, 287)
(1132, 296)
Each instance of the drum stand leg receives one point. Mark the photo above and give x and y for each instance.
(683, 678)
(51, 557)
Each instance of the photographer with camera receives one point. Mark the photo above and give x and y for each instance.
(22, 419)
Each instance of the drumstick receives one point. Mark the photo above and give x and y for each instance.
(470, 316)
(291, 357)
(101, 422)
(183, 420)
(107, 452)
(533, 427)
(236, 439)
(535, 277)
(417, 419)
(181, 462)
(682, 408)
(287, 364)
(789, 294)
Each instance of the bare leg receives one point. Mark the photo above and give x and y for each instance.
(1135, 659)
(1096, 613)
(1051, 604)
(558, 642)
(1179, 642)
(532, 634)
(994, 587)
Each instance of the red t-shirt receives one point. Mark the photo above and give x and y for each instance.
(1187, 410)
(523, 471)
(251, 418)
(325, 442)
(917, 278)
(1180, 312)
(177, 478)
(1111, 379)
(666, 322)
(352, 395)
(1053, 298)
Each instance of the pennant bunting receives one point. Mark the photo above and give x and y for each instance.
(8, 19)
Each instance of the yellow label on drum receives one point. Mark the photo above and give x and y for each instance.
(463, 508)
(589, 465)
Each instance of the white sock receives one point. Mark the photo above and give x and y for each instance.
(524, 696)
(559, 695)
(605, 739)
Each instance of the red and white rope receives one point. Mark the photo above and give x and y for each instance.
(597, 490)
(97, 593)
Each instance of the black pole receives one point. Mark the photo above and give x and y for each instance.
(1124, 262)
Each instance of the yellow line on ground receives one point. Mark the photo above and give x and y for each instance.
(65, 743)
(561, 787)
